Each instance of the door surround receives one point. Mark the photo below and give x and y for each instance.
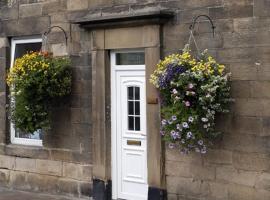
(103, 40)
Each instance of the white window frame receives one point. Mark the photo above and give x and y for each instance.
(16, 140)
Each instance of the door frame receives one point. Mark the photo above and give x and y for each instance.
(114, 139)
(103, 41)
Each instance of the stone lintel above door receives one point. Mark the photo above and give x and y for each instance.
(90, 21)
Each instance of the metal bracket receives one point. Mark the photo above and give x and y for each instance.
(194, 21)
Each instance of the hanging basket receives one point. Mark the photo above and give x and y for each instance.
(193, 90)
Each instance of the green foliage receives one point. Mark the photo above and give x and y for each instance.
(37, 81)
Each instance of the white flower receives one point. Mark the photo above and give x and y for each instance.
(205, 126)
(189, 135)
(185, 124)
(174, 118)
(174, 91)
(200, 142)
(204, 119)
(190, 119)
(164, 122)
(170, 121)
(177, 98)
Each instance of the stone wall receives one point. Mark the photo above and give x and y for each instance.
(236, 168)
(64, 164)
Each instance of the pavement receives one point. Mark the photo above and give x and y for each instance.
(8, 194)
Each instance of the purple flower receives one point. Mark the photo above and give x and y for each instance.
(171, 145)
(171, 72)
(187, 103)
(162, 133)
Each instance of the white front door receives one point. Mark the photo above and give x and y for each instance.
(129, 136)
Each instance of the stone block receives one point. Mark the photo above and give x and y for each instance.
(51, 7)
(4, 42)
(231, 175)
(30, 10)
(260, 89)
(26, 26)
(240, 89)
(231, 12)
(77, 171)
(7, 162)
(187, 186)
(26, 151)
(4, 177)
(263, 181)
(219, 191)
(68, 187)
(18, 180)
(25, 164)
(59, 50)
(85, 189)
(216, 156)
(247, 125)
(249, 107)
(261, 8)
(174, 168)
(238, 192)
(244, 71)
(77, 5)
(251, 161)
(9, 13)
(49, 167)
(175, 155)
(149, 38)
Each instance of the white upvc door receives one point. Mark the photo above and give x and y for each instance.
(129, 136)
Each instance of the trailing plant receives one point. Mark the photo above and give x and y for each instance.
(37, 81)
(193, 91)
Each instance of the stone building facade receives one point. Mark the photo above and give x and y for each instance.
(75, 157)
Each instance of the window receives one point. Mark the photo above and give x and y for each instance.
(130, 58)
(134, 123)
(19, 47)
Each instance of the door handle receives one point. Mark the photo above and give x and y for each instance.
(134, 142)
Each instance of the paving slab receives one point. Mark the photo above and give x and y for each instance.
(9, 194)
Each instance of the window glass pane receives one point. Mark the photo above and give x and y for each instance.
(137, 93)
(135, 58)
(137, 108)
(20, 50)
(130, 93)
(37, 135)
(137, 124)
(131, 123)
(131, 107)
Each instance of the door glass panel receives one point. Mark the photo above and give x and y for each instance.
(137, 108)
(130, 123)
(133, 108)
(131, 58)
(137, 124)
(137, 93)
(130, 93)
